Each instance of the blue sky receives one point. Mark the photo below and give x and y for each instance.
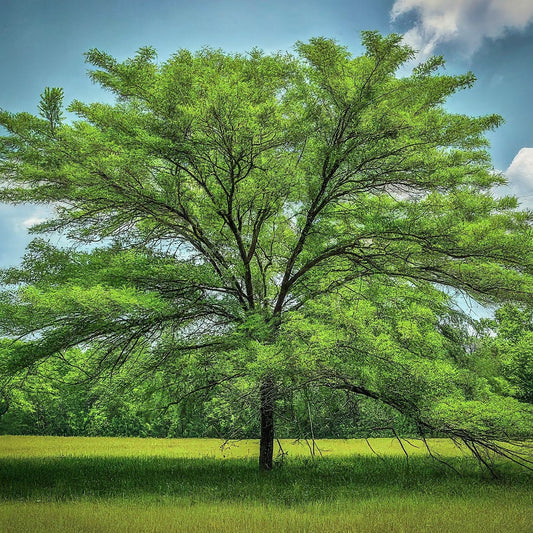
(42, 44)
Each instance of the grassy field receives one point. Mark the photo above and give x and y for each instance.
(63, 484)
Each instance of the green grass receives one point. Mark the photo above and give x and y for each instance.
(17, 446)
(150, 485)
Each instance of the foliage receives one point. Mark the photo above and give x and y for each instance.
(507, 349)
(50, 107)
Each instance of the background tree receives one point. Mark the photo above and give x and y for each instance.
(224, 196)
(506, 351)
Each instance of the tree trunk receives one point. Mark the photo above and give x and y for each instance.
(266, 444)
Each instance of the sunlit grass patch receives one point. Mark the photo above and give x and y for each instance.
(371, 516)
(33, 446)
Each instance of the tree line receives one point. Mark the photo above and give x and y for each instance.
(54, 398)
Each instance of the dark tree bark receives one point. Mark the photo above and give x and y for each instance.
(4, 405)
(266, 444)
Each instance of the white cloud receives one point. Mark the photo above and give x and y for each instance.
(520, 176)
(32, 221)
(466, 22)
(522, 166)
(14, 224)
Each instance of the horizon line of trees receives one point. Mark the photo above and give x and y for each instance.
(54, 398)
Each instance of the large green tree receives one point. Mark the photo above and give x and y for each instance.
(225, 204)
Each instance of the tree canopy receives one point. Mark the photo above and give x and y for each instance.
(267, 222)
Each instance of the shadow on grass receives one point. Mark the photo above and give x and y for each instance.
(298, 481)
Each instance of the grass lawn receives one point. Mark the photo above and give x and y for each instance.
(67, 484)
